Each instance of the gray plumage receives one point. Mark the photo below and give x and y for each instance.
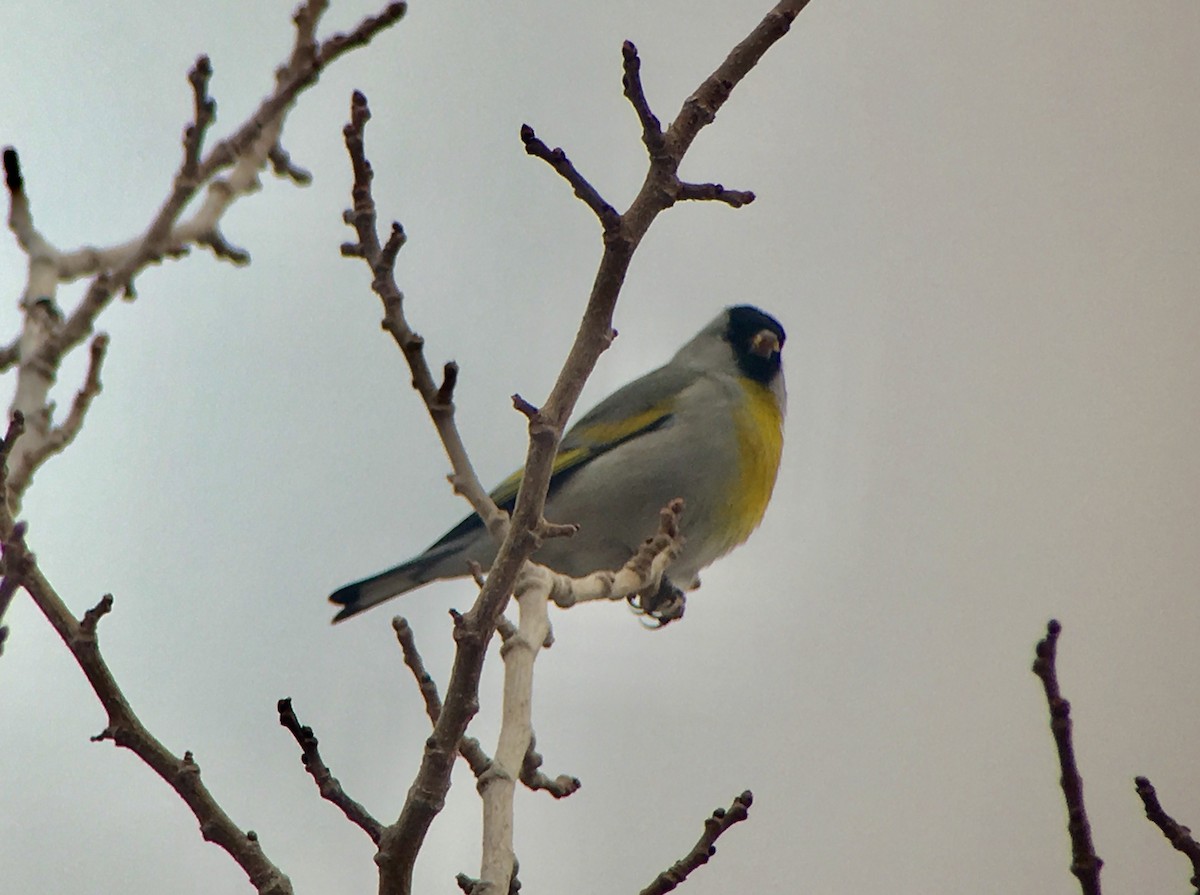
(678, 431)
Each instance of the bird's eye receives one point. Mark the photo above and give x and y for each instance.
(764, 343)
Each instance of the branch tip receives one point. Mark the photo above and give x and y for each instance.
(524, 407)
(12, 171)
(1085, 863)
(1177, 834)
(328, 785)
(557, 159)
(715, 825)
(652, 134)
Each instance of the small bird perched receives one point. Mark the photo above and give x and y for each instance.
(707, 427)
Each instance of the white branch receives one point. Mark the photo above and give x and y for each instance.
(535, 587)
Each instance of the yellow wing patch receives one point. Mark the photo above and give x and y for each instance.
(591, 440)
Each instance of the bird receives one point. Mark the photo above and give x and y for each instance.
(706, 427)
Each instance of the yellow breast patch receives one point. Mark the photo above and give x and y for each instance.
(759, 429)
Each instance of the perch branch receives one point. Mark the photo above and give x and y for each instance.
(402, 840)
(1177, 834)
(714, 827)
(328, 785)
(469, 747)
(1085, 863)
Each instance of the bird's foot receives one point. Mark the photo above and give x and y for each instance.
(660, 606)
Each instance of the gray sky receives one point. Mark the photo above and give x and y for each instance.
(979, 228)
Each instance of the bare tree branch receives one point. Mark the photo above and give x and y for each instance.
(468, 747)
(652, 133)
(1085, 863)
(328, 785)
(382, 260)
(55, 440)
(532, 776)
(402, 840)
(14, 564)
(557, 159)
(126, 730)
(49, 335)
(705, 847)
(1177, 834)
(714, 192)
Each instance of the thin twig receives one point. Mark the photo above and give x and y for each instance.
(382, 260)
(48, 336)
(652, 134)
(1085, 863)
(557, 159)
(14, 563)
(714, 192)
(59, 437)
(469, 747)
(328, 785)
(1177, 834)
(705, 847)
(532, 776)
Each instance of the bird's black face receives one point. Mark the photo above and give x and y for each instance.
(756, 338)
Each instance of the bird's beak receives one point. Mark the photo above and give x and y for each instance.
(765, 343)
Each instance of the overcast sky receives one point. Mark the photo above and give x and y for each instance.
(979, 225)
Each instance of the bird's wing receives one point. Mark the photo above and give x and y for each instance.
(642, 406)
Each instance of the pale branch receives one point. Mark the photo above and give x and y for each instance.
(48, 335)
(714, 827)
(516, 757)
(330, 788)
(1177, 834)
(468, 885)
(56, 440)
(641, 575)
(126, 730)
(498, 783)
(1085, 863)
(382, 260)
(469, 747)
(401, 841)
(246, 151)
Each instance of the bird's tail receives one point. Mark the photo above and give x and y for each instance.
(354, 598)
